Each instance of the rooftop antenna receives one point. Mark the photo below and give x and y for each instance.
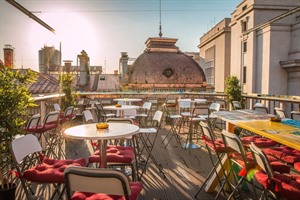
(160, 33)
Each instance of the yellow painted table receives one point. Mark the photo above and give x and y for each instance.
(277, 131)
(235, 116)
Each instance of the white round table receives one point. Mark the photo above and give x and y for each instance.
(90, 132)
(121, 109)
(128, 100)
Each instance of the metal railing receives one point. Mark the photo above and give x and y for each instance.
(288, 103)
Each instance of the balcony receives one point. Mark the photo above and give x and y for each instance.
(185, 169)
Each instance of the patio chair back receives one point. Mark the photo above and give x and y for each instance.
(214, 107)
(280, 112)
(261, 159)
(56, 107)
(21, 148)
(87, 117)
(295, 115)
(92, 180)
(233, 141)
(70, 112)
(32, 124)
(261, 108)
(236, 105)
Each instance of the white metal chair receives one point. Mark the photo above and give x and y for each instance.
(261, 108)
(32, 124)
(236, 105)
(147, 138)
(56, 107)
(280, 112)
(34, 168)
(101, 113)
(174, 121)
(199, 113)
(216, 148)
(143, 113)
(49, 134)
(295, 115)
(99, 184)
(209, 115)
(87, 117)
(241, 159)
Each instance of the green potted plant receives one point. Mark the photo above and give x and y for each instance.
(233, 89)
(15, 101)
(70, 97)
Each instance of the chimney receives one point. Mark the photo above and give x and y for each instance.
(8, 56)
(68, 65)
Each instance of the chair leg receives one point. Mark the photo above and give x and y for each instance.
(148, 147)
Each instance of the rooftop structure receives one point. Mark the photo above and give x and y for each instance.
(163, 66)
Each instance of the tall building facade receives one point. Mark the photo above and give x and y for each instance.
(265, 46)
(264, 49)
(49, 59)
(215, 54)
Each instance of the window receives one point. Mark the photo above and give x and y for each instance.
(168, 72)
(210, 72)
(210, 66)
(244, 75)
(244, 47)
(244, 26)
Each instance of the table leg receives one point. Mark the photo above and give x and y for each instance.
(102, 146)
(190, 144)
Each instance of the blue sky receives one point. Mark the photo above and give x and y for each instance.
(105, 28)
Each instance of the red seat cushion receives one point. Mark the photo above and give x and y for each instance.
(287, 186)
(297, 166)
(118, 154)
(136, 188)
(284, 153)
(46, 127)
(218, 145)
(275, 163)
(258, 141)
(51, 170)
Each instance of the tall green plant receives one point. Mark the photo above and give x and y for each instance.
(67, 88)
(233, 89)
(15, 101)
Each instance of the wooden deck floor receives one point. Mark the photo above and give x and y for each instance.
(185, 170)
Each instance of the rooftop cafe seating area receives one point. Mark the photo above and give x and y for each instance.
(150, 146)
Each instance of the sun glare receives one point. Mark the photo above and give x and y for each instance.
(73, 31)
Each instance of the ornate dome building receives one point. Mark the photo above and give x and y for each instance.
(162, 66)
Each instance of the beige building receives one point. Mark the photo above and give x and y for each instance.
(264, 49)
(215, 54)
(265, 46)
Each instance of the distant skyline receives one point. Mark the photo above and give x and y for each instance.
(105, 28)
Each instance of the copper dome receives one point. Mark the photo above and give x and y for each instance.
(163, 65)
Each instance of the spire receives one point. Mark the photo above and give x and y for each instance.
(160, 33)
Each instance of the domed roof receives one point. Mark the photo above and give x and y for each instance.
(164, 65)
